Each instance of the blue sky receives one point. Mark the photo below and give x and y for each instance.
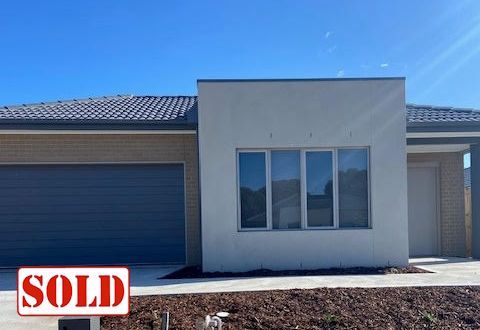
(71, 49)
(466, 160)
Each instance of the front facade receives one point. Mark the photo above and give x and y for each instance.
(278, 174)
(319, 156)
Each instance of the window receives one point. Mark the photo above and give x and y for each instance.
(286, 213)
(253, 195)
(353, 187)
(304, 189)
(319, 171)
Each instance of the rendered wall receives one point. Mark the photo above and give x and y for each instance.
(301, 114)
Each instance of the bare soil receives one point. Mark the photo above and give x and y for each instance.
(196, 272)
(353, 308)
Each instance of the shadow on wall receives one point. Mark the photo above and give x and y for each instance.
(468, 220)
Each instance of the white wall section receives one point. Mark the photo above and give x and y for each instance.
(302, 114)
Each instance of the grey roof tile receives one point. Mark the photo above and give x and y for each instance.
(121, 107)
(428, 114)
(178, 109)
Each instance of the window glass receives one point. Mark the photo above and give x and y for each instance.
(319, 188)
(353, 187)
(285, 171)
(253, 199)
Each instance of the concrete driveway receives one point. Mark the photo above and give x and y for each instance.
(144, 281)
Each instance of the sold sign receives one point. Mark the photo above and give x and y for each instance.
(62, 291)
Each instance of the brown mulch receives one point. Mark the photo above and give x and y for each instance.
(353, 308)
(196, 272)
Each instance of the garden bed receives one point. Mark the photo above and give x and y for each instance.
(381, 308)
(196, 272)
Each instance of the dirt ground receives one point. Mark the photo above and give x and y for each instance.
(196, 272)
(353, 308)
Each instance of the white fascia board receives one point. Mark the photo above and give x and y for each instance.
(429, 148)
(421, 135)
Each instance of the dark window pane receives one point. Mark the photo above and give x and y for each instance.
(285, 189)
(353, 187)
(319, 188)
(253, 190)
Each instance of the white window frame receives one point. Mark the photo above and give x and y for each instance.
(303, 188)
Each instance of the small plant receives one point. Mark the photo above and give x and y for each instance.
(429, 317)
(330, 319)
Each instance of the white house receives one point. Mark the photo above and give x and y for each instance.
(278, 174)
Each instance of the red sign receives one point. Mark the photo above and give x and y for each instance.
(59, 291)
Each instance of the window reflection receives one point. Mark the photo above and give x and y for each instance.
(319, 188)
(353, 187)
(285, 189)
(252, 190)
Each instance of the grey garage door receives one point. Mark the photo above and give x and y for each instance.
(91, 214)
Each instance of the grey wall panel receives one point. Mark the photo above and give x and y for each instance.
(91, 214)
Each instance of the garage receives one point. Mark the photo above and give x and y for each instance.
(79, 214)
(423, 219)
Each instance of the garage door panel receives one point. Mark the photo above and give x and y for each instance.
(43, 172)
(62, 210)
(53, 181)
(61, 214)
(121, 240)
(90, 257)
(131, 198)
(95, 189)
(92, 223)
(176, 231)
(87, 217)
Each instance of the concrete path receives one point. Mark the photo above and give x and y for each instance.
(447, 272)
(144, 281)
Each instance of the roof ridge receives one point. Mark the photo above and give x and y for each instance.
(439, 108)
(79, 100)
(88, 99)
(165, 95)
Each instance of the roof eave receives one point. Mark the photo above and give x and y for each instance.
(444, 127)
(114, 125)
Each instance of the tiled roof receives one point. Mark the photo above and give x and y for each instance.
(427, 114)
(178, 110)
(114, 108)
